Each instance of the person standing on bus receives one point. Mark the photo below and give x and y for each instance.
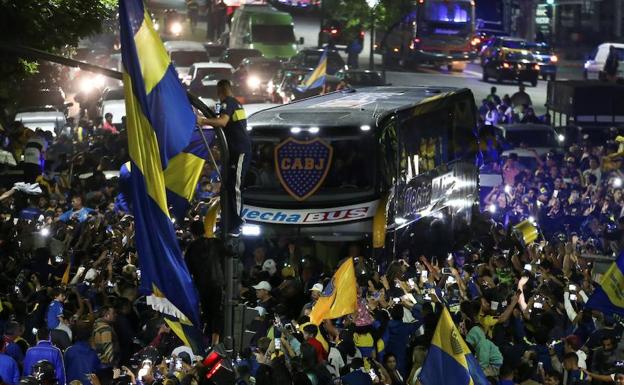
(611, 64)
(233, 120)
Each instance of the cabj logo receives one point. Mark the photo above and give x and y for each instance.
(302, 166)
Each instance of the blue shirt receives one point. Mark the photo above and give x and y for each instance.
(14, 351)
(44, 350)
(9, 371)
(357, 377)
(81, 215)
(55, 310)
(81, 359)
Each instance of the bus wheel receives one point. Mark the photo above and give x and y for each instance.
(484, 76)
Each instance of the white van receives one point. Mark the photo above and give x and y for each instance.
(46, 119)
(596, 62)
(185, 53)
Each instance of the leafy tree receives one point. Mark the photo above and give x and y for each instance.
(356, 14)
(50, 25)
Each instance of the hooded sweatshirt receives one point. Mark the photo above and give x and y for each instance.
(487, 353)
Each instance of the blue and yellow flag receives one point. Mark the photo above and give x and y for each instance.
(449, 360)
(183, 172)
(339, 296)
(316, 78)
(609, 296)
(160, 124)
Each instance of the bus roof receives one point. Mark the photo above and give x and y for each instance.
(364, 106)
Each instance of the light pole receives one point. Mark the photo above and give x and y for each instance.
(371, 59)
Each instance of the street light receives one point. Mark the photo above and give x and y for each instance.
(371, 59)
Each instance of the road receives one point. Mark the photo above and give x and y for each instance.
(308, 28)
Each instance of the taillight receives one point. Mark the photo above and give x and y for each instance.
(333, 31)
(506, 65)
(475, 41)
(535, 66)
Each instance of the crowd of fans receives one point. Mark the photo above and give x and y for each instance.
(70, 310)
(517, 108)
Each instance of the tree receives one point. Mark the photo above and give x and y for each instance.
(50, 25)
(356, 14)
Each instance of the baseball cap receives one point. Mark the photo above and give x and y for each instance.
(263, 285)
(317, 287)
(269, 266)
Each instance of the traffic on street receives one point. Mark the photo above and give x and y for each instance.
(312, 192)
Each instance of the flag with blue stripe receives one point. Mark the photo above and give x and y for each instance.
(183, 173)
(160, 123)
(316, 78)
(449, 360)
(609, 296)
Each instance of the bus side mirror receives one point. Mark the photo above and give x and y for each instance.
(301, 40)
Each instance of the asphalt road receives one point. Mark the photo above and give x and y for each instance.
(308, 28)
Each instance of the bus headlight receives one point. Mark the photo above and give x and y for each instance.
(253, 82)
(250, 230)
(176, 28)
(561, 137)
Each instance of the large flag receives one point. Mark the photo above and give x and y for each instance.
(183, 172)
(316, 78)
(449, 360)
(160, 124)
(339, 296)
(609, 296)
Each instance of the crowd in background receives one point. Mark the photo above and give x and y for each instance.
(70, 309)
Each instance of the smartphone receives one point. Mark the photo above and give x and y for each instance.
(278, 344)
(538, 305)
(58, 259)
(138, 272)
(410, 281)
(178, 364)
(423, 274)
(372, 375)
(396, 300)
(540, 366)
(572, 287)
(528, 267)
(446, 270)
(573, 297)
(555, 193)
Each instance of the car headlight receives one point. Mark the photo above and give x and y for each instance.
(253, 82)
(176, 28)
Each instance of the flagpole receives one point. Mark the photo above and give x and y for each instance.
(32, 53)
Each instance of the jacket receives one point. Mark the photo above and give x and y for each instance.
(486, 352)
(9, 371)
(80, 359)
(105, 343)
(44, 350)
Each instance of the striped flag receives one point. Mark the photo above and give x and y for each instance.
(316, 78)
(160, 123)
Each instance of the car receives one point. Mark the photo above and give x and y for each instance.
(361, 78)
(253, 76)
(252, 108)
(593, 68)
(307, 59)
(45, 118)
(112, 93)
(214, 70)
(539, 137)
(184, 53)
(511, 64)
(546, 59)
(335, 34)
(234, 56)
(496, 43)
(484, 32)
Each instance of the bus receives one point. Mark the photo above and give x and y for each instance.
(357, 165)
(438, 32)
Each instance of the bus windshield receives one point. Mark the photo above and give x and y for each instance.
(350, 174)
(447, 18)
(273, 34)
